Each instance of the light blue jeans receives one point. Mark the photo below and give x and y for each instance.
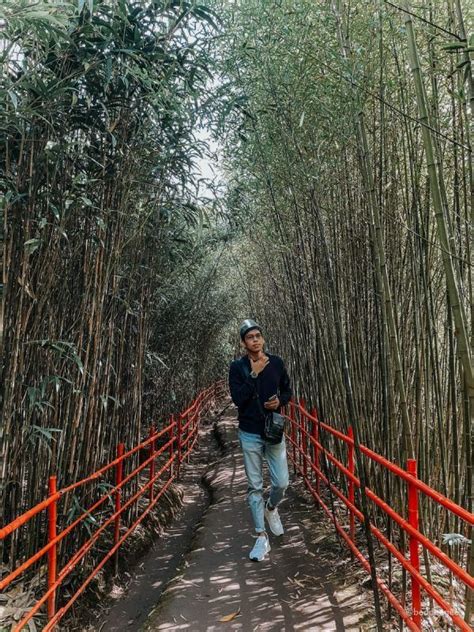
(255, 449)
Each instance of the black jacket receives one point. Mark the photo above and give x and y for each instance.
(243, 388)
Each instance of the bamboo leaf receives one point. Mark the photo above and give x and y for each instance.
(207, 14)
(14, 98)
(31, 245)
(230, 617)
(453, 46)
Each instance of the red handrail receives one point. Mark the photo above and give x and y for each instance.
(181, 436)
(395, 469)
(306, 454)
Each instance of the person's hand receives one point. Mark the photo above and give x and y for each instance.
(272, 404)
(259, 364)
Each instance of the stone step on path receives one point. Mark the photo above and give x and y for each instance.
(291, 590)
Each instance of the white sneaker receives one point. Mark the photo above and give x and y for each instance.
(274, 522)
(260, 549)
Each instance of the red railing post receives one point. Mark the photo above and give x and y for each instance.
(53, 551)
(197, 422)
(414, 546)
(301, 420)
(293, 432)
(315, 435)
(304, 445)
(152, 464)
(190, 434)
(351, 468)
(172, 445)
(118, 500)
(194, 427)
(178, 439)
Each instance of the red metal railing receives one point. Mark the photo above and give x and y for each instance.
(175, 442)
(305, 436)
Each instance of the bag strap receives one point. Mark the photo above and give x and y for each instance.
(259, 403)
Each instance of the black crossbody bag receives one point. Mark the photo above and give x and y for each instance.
(274, 423)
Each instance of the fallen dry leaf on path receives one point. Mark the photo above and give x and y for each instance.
(230, 617)
(296, 581)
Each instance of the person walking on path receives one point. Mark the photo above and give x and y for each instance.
(259, 380)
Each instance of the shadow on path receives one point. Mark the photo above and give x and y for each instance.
(292, 590)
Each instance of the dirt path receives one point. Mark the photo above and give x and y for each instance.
(293, 590)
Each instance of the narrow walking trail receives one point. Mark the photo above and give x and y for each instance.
(292, 590)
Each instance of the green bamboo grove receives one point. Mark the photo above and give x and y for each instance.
(342, 220)
(112, 257)
(353, 176)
